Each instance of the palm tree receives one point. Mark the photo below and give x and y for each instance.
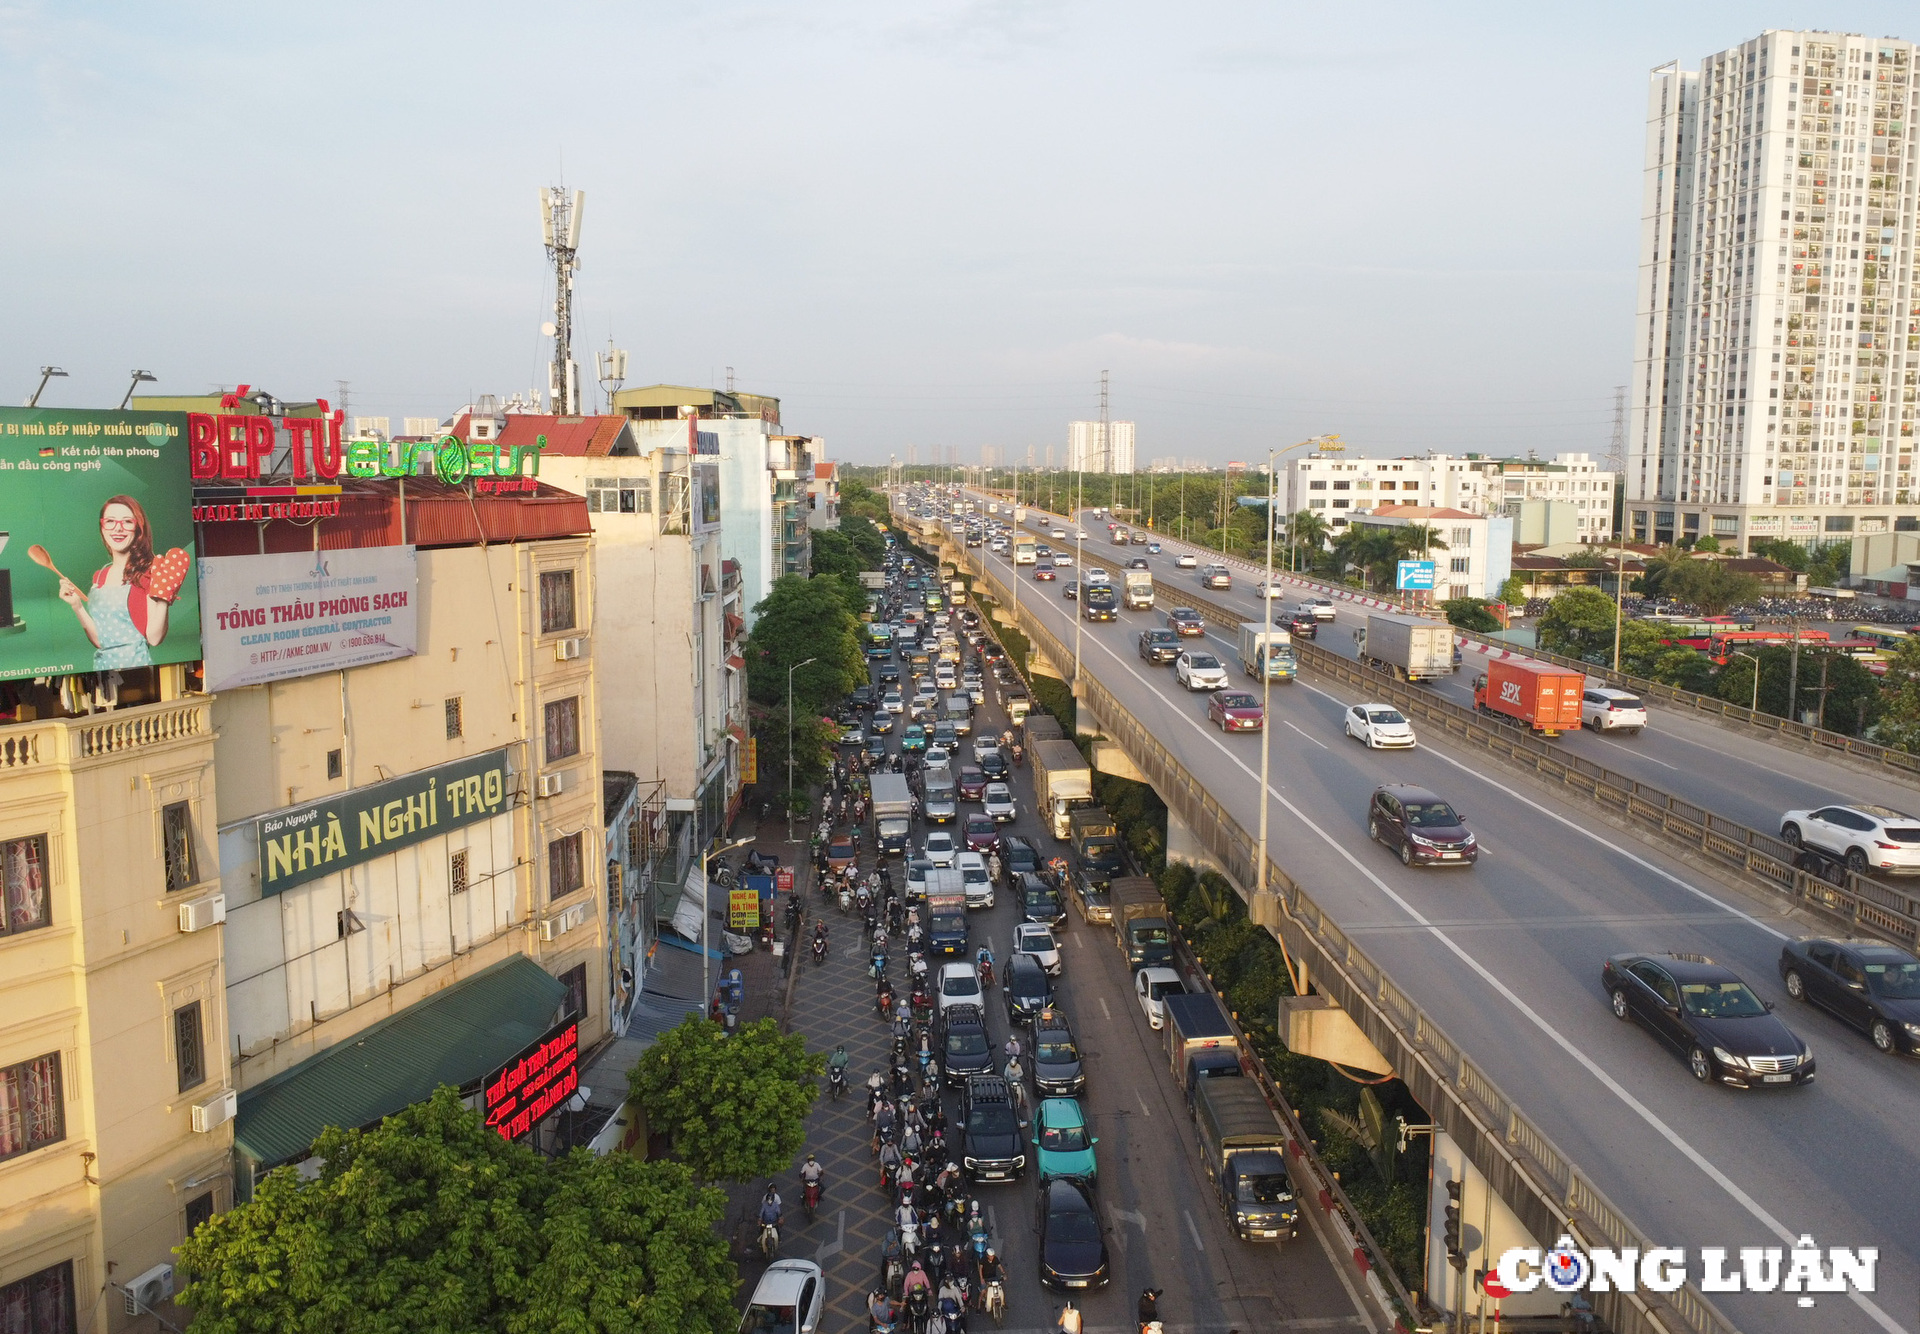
(1417, 539)
(1307, 532)
(1364, 547)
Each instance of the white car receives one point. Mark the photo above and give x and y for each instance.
(939, 848)
(1322, 608)
(1063, 560)
(1151, 986)
(974, 879)
(853, 735)
(1097, 576)
(1199, 671)
(1604, 709)
(791, 1297)
(959, 985)
(984, 744)
(1269, 590)
(1381, 726)
(1865, 837)
(938, 757)
(1032, 938)
(1186, 560)
(925, 698)
(1058, 534)
(998, 803)
(1082, 534)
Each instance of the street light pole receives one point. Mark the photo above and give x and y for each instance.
(790, 671)
(1266, 688)
(1619, 603)
(1736, 653)
(1080, 576)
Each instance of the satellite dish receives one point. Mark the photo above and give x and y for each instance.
(549, 329)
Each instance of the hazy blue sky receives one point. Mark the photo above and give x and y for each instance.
(1414, 224)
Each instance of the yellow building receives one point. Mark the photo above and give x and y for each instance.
(115, 1099)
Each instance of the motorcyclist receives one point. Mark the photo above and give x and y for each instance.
(1149, 1305)
(771, 1208)
(811, 1171)
(879, 1309)
(991, 1270)
(839, 1059)
(916, 1281)
(1069, 1321)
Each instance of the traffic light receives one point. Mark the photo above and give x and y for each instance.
(1456, 1255)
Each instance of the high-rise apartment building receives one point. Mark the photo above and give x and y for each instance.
(1097, 447)
(1776, 342)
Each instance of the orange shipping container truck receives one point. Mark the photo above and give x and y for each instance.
(1545, 698)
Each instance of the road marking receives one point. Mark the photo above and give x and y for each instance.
(1316, 740)
(1145, 1110)
(1635, 751)
(1103, 1007)
(1133, 1216)
(1726, 1183)
(1193, 1231)
(832, 1248)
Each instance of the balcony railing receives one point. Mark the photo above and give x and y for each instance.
(66, 741)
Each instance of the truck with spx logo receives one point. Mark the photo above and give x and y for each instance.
(1534, 694)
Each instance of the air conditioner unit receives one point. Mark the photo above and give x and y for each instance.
(552, 785)
(215, 1111)
(556, 926)
(148, 1290)
(200, 914)
(567, 649)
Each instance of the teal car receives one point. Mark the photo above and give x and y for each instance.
(1060, 1135)
(914, 738)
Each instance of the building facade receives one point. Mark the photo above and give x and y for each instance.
(1776, 342)
(1478, 555)
(1335, 486)
(1093, 447)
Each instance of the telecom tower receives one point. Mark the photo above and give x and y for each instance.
(560, 230)
(612, 365)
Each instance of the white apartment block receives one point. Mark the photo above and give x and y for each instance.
(1335, 486)
(1775, 338)
(1478, 555)
(1092, 448)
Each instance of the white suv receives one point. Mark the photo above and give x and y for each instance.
(1200, 671)
(973, 877)
(1607, 710)
(1865, 837)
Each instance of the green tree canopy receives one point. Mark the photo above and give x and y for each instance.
(432, 1224)
(1899, 723)
(868, 540)
(1470, 614)
(834, 553)
(800, 619)
(1710, 585)
(1578, 623)
(734, 1107)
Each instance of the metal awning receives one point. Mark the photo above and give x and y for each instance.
(458, 1036)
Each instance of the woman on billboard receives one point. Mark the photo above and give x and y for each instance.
(125, 615)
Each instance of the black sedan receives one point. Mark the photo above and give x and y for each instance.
(1419, 826)
(1057, 1069)
(1706, 1014)
(1040, 901)
(1867, 983)
(1159, 646)
(994, 765)
(1028, 988)
(1018, 857)
(1187, 623)
(1300, 624)
(1073, 1244)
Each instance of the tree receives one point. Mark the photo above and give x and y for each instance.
(1710, 585)
(1899, 724)
(834, 553)
(433, 1224)
(1578, 624)
(1470, 614)
(800, 619)
(734, 1107)
(868, 540)
(1782, 552)
(1513, 591)
(1307, 531)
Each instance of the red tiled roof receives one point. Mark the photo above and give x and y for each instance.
(1421, 512)
(571, 437)
(822, 471)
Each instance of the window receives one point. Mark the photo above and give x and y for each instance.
(556, 601)
(619, 495)
(457, 872)
(566, 866)
(563, 728)
(1316, 486)
(1460, 565)
(456, 726)
(199, 1210)
(31, 1114)
(176, 835)
(334, 766)
(1462, 537)
(189, 1053)
(1342, 486)
(575, 981)
(40, 1303)
(23, 868)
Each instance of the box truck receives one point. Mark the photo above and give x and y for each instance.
(1201, 1043)
(892, 812)
(1268, 650)
(1411, 647)
(1139, 590)
(1096, 844)
(1140, 922)
(1543, 697)
(1062, 780)
(1245, 1149)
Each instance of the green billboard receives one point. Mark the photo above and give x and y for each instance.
(96, 542)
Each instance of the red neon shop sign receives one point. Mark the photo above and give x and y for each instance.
(237, 447)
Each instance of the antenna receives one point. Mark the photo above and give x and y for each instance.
(729, 379)
(1617, 448)
(560, 233)
(612, 365)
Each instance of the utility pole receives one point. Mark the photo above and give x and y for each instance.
(1266, 690)
(790, 671)
(1793, 676)
(560, 230)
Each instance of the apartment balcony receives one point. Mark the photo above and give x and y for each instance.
(101, 738)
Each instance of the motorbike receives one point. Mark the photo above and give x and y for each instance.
(769, 1240)
(836, 1081)
(986, 975)
(993, 1300)
(846, 899)
(884, 1001)
(810, 1198)
(919, 1306)
(922, 1000)
(877, 964)
(819, 950)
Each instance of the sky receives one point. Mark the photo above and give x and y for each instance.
(929, 225)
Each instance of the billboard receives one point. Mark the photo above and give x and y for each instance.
(1414, 574)
(518, 1096)
(96, 542)
(294, 613)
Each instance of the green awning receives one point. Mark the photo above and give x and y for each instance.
(457, 1036)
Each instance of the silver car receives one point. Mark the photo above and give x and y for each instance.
(998, 803)
(1032, 938)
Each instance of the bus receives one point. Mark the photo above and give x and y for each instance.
(1888, 638)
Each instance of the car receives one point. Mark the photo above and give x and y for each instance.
(1322, 608)
(1709, 1017)
(863, 697)
(893, 701)
(876, 747)
(914, 738)
(890, 675)
(974, 880)
(1035, 941)
(1158, 646)
(1073, 1242)
(1063, 560)
(1866, 837)
(1151, 987)
(842, 852)
(976, 688)
(1018, 857)
(999, 804)
(958, 984)
(1062, 1147)
(1044, 573)
(1186, 560)
(1216, 576)
(1040, 903)
(1058, 534)
(853, 735)
(789, 1299)
(1870, 984)
(993, 764)
(1139, 563)
(966, 1050)
(938, 756)
(1381, 726)
(1604, 709)
(990, 1145)
(1420, 826)
(1153, 548)
(939, 847)
(1058, 1071)
(1300, 624)
(1263, 589)
(1043, 551)
(881, 723)
(1081, 534)
(925, 696)
(1098, 576)
(1027, 987)
(1070, 590)
(1187, 623)
(972, 783)
(1199, 671)
(1236, 711)
(917, 869)
(980, 831)
(1139, 539)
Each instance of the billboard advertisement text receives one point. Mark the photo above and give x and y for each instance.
(295, 613)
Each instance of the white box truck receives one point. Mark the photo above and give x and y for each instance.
(1271, 650)
(1062, 782)
(1411, 647)
(1139, 590)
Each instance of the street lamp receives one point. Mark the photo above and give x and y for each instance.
(790, 671)
(1736, 653)
(138, 377)
(706, 909)
(1080, 575)
(46, 373)
(1266, 682)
